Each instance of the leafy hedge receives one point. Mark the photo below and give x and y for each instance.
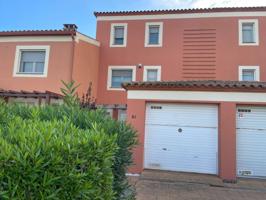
(104, 145)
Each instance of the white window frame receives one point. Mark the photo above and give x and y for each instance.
(145, 72)
(148, 24)
(109, 79)
(112, 36)
(119, 114)
(256, 31)
(19, 49)
(255, 68)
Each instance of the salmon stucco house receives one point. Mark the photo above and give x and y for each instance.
(33, 63)
(192, 82)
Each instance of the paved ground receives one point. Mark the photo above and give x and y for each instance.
(154, 185)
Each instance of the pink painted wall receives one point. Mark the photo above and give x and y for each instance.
(59, 67)
(86, 66)
(68, 61)
(228, 55)
(136, 117)
(227, 140)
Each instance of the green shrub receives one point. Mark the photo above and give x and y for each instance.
(55, 160)
(85, 119)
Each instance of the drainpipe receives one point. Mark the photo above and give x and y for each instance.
(73, 28)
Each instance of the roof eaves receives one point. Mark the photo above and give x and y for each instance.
(180, 11)
(37, 33)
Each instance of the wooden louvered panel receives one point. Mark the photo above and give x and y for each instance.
(199, 54)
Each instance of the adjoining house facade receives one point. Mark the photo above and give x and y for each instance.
(202, 126)
(39, 60)
(197, 91)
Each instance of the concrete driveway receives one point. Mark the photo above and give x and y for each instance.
(157, 185)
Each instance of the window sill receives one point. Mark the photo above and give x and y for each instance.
(248, 44)
(153, 45)
(118, 45)
(30, 75)
(115, 89)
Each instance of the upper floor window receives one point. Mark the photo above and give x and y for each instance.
(152, 73)
(248, 32)
(153, 34)
(31, 61)
(117, 75)
(249, 73)
(118, 36)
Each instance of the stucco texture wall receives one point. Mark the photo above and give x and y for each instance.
(59, 67)
(85, 67)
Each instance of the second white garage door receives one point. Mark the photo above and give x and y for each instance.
(181, 137)
(251, 141)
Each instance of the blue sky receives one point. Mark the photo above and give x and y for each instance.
(51, 14)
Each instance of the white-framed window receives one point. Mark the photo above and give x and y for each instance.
(31, 61)
(122, 115)
(152, 73)
(249, 73)
(154, 34)
(118, 75)
(248, 32)
(118, 35)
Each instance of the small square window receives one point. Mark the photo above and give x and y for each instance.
(249, 73)
(152, 73)
(118, 37)
(154, 34)
(248, 32)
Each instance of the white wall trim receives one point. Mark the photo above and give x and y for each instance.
(146, 68)
(197, 96)
(36, 39)
(18, 57)
(80, 36)
(182, 16)
(113, 25)
(109, 78)
(160, 24)
(256, 29)
(255, 68)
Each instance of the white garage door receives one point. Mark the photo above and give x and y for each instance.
(181, 137)
(251, 141)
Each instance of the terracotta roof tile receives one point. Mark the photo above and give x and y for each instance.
(180, 11)
(197, 84)
(29, 94)
(36, 32)
(68, 29)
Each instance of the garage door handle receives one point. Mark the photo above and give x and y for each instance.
(165, 149)
(180, 130)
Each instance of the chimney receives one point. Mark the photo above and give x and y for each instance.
(70, 27)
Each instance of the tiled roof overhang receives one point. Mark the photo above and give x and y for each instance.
(29, 94)
(181, 11)
(38, 33)
(209, 85)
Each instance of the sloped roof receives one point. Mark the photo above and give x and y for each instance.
(181, 11)
(29, 94)
(37, 33)
(198, 85)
